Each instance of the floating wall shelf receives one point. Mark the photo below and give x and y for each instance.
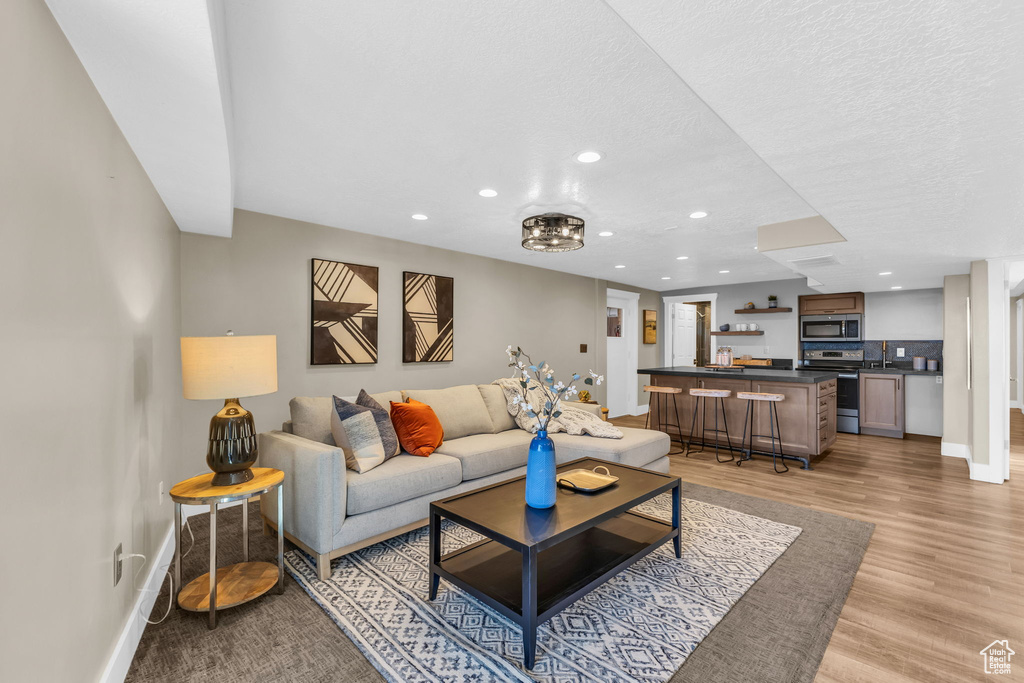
(737, 333)
(764, 310)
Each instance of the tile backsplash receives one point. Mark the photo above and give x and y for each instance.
(930, 349)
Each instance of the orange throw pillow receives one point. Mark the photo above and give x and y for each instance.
(419, 431)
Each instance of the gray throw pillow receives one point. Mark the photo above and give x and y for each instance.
(364, 433)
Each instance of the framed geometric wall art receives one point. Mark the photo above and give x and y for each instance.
(428, 312)
(344, 313)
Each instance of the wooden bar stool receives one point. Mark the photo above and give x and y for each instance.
(655, 403)
(700, 401)
(752, 397)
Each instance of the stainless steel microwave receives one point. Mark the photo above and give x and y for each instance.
(823, 328)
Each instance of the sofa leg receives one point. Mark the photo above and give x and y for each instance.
(323, 566)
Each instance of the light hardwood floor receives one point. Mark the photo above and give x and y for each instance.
(944, 574)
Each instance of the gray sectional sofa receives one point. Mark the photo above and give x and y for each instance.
(331, 510)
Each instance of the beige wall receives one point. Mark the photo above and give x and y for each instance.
(90, 405)
(979, 393)
(258, 282)
(955, 398)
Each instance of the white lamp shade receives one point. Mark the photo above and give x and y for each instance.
(228, 367)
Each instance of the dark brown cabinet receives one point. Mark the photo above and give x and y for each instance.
(882, 404)
(825, 304)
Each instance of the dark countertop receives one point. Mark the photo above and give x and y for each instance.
(902, 371)
(750, 372)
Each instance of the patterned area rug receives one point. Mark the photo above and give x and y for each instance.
(640, 626)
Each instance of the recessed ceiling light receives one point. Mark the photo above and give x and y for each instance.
(699, 214)
(896, 287)
(588, 157)
(666, 278)
(488, 193)
(620, 266)
(681, 258)
(888, 272)
(722, 272)
(605, 234)
(419, 217)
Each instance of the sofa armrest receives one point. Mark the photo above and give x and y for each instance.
(315, 487)
(594, 408)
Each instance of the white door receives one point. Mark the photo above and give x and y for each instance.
(623, 338)
(684, 334)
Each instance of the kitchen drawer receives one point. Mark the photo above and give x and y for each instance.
(823, 402)
(823, 419)
(828, 387)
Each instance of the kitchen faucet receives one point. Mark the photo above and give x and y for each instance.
(885, 346)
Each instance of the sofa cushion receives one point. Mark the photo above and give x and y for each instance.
(497, 408)
(484, 454)
(637, 447)
(386, 397)
(461, 409)
(401, 478)
(311, 418)
(363, 432)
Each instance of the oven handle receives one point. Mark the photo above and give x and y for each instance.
(847, 375)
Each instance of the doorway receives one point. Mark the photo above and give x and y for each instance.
(622, 327)
(684, 341)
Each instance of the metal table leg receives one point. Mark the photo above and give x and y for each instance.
(280, 539)
(435, 553)
(245, 531)
(677, 493)
(177, 555)
(213, 566)
(529, 623)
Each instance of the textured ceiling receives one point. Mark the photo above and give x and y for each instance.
(898, 121)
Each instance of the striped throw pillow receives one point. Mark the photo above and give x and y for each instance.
(364, 434)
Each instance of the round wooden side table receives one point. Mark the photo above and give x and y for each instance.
(224, 587)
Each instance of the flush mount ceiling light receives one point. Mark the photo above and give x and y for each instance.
(552, 232)
(488, 193)
(722, 272)
(699, 214)
(666, 278)
(897, 287)
(681, 258)
(588, 157)
(888, 272)
(620, 266)
(419, 217)
(605, 234)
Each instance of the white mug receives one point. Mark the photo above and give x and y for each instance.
(742, 327)
(753, 327)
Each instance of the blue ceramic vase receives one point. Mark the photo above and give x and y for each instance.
(540, 472)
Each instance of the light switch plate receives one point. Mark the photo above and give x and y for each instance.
(938, 380)
(901, 352)
(118, 563)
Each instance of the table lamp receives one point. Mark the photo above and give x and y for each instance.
(228, 368)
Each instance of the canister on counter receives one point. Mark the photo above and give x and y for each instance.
(933, 365)
(920, 362)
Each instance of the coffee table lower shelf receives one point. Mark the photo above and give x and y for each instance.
(493, 573)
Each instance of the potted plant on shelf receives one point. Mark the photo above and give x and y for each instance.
(541, 398)
(773, 301)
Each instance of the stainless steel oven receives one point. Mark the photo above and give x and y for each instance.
(826, 328)
(847, 363)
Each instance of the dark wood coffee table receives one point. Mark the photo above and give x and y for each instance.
(532, 564)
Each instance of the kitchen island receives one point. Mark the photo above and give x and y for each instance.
(807, 417)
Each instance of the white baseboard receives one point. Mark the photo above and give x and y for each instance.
(121, 659)
(956, 450)
(1016, 404)
(989, 473)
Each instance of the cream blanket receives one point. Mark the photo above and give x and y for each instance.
(572, 420)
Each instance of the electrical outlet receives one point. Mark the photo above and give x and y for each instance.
(160, 492)
(938, 380)
(118, 562)
(901, 352)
